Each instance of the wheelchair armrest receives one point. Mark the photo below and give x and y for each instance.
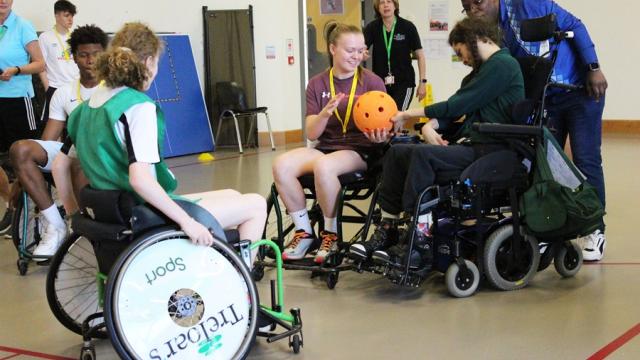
(502, 129)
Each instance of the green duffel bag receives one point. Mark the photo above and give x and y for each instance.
(559, 204)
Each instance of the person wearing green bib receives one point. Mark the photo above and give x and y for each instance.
(341, 148)
(119, 132)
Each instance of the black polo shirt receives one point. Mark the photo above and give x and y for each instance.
(405, 41)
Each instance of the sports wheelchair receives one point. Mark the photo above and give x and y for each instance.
(477, 226)
(26, 221)
(163, 297)
(355, 186)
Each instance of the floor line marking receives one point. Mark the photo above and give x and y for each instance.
(34, 353)
(616, 344)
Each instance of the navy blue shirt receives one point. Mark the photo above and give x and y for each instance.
(573, 54)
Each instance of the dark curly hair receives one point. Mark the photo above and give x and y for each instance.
(469, 31)
(87, 34)
(64, 5)
(123, 64)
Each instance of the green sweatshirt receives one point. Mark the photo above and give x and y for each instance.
(487, 97)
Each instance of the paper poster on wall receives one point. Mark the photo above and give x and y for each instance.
(439, 16)
(270, 52)
(331, 7)
(436, 48)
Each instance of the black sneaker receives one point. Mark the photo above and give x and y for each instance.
(385, 235)
(422, 253)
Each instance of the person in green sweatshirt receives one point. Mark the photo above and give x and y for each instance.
(486, 96)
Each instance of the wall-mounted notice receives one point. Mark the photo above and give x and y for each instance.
(270, 52)
(439, 16)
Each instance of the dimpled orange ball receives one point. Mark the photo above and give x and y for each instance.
(373, 110)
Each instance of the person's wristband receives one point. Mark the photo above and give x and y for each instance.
(19, 71)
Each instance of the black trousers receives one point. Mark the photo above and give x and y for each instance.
(44, 117)
(409, 169)
(401, 94)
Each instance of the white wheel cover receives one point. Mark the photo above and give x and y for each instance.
(210, 303)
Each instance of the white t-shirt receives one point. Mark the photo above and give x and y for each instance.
(142, 121)
(59, 70)
(65, 100)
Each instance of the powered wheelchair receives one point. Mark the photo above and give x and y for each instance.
(163, 296)
(478, 229)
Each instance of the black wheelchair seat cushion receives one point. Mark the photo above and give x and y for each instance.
(494, 167)
(355, 177)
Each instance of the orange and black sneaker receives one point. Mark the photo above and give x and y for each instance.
(299, 245)
(329, 244)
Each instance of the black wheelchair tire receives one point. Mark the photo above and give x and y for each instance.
(17, 226)
(496, 259)
(55, 305)
(163, 234)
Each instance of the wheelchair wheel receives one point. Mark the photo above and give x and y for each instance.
(168, 296)
(503, 271)
(27, 225)
(568, 259)
(72, 288)
(462, 284)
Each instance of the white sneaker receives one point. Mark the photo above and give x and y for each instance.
(299, 246)
(593, 246)
(52, 238)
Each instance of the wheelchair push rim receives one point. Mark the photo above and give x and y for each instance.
(167, 297)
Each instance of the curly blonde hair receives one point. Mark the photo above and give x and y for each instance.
(124, 63)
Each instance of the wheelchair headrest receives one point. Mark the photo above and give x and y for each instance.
(538, 29)
(229, 96)
(107, 206)
(493, 167)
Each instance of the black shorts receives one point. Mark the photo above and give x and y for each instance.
(372, 156)
(17, 121)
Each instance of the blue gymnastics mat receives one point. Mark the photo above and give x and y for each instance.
(176, 89)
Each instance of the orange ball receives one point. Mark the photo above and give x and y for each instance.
(374, 110)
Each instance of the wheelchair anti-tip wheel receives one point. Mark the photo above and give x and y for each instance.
(169, 298)
(503, 269)
(462, 283)
(568, 259)
(72, 284)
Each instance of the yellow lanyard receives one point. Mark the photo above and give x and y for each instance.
(65, 50)
(354, 84)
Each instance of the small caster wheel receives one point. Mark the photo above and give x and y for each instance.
(462, 283)
(332, 280)
(88, 353)
(568, 259)
(257, 273)
(23, 265)
(295, 344)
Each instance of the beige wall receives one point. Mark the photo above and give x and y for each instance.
(611, 25)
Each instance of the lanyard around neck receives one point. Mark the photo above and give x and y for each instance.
(388, 41)
(347, 115)
(65, 50)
